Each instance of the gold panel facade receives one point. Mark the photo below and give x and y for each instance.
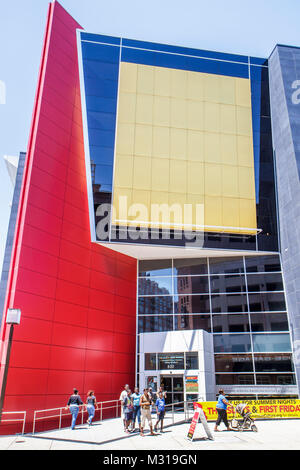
(185, 138)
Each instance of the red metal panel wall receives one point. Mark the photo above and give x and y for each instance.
(78, 299)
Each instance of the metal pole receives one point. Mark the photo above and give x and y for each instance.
(24, 421)
(33, 429)
(11, 331)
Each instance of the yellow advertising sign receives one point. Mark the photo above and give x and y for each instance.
(266, 409)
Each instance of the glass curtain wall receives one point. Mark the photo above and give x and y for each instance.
(240, 300)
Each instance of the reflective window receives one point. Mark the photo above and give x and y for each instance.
(234, 379)
(230, 323)
(155, 285)
(269, 322)
(161, 267)
(193, 322)
(271, 342)
(267, 302)
(192, 304)
(264, 282)
(262, 264)
(233, 363)
(171, 361)
(218, 303)
(229, 303)
(273, 363)
(151, 324)
(191, 360)
(224, 284)
(191, 285)
(150, 361)
(275, 379)
(158, 305)
(187, 267)
(226, 265)
(232, 343)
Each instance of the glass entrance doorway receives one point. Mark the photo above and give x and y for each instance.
(173, 385)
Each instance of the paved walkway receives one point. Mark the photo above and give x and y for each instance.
(108, 435)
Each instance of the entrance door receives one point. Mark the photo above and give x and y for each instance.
(173, 385)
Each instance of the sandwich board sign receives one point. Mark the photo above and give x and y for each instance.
(198, 415)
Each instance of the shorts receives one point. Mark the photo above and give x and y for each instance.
(128, 415)
(161, 415)
(146, 415)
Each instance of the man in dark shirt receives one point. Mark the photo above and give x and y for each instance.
(73, 404)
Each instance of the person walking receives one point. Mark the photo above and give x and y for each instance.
(136, 397)
(160, 409)
(91, 406)
(122, 397)
(221, 408)
(128, 410)
(161, 390)
(145, 403)
(152, 398)
(73, 405)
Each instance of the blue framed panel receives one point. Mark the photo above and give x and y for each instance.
(101, 57)
(184, 62)
(101, 75)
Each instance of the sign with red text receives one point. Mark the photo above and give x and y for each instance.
(289, 408)
(199, 414)
(194, 423)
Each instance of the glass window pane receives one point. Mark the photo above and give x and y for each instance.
(231, 323)
(156, 305)
(229, 303)
(191, 285)
(98, 69)
(234, 379)
(155, 285)
(191, 304)
(151, 324)
(160, 267)
(275, 379)
(224, 284)
(267, 302)
(233, 363)
(171, 361)
(103, 174)
(189, 267)
(271, 342)
(262, 264)
(226, 265)
(264, 282)
(269, 322)
(232, 343)
(191, 360)
(273, 363)
(150, 361)
(193, 322)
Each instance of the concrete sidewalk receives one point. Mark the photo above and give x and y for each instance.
(109, 435)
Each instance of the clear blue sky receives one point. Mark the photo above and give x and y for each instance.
(250, 27)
